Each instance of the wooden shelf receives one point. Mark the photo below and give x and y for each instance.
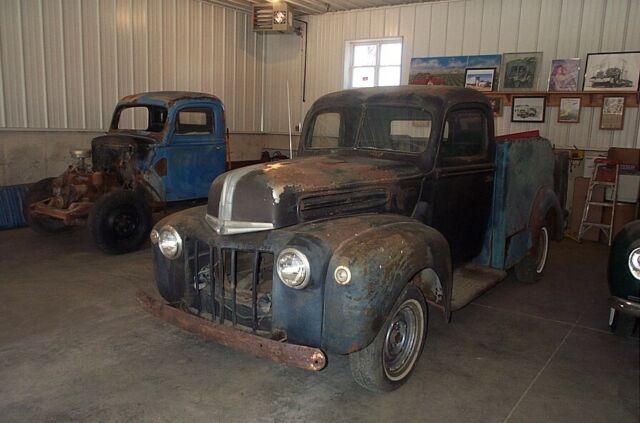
(589, 98)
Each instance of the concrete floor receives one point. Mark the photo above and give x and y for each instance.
(75, 346)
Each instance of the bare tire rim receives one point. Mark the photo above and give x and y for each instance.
(403, 340)
(634, 263)
(543, 249)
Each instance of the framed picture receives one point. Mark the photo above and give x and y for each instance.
(612, 113)
(618, 71)
(569, 110)
(564, 75)
(480, 79)
(528, 109)
(496, 106)
(520, 71)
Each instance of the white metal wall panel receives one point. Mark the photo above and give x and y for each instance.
(13, 62)
(560, 29)
(65, 63)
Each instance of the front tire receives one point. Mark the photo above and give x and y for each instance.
(389, 360)
(39, 191)
(531, 267)
(120, 222)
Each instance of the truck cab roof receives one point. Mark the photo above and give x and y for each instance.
(166, 98)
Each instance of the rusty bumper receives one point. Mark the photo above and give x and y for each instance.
(307, 358)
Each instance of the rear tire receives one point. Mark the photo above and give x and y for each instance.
(120, 222)
(531, 267)
(39, 191)
(388, 362)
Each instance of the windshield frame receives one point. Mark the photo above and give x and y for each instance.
(115, 120)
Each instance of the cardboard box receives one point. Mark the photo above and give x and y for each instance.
(627, 156)
(625, 213)
(580, 188)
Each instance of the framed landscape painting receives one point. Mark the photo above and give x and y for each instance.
(480, 79)
(617, 71)
(569, 110)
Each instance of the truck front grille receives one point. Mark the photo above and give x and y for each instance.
(229, 285)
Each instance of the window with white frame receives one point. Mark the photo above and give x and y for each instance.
(373, 63)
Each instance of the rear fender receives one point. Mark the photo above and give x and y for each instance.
(382, 261)
(546, 209)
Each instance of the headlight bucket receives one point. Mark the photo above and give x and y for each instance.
(293, 268)
(170, 242)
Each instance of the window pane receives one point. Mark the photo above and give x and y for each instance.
(464, 138)
(363, 77)
(396, 129)
(364, 55)
(389, 76)
(195, 121)
(391, 54)
(326, 131)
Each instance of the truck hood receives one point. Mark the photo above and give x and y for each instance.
(108, 151)
(284, 193)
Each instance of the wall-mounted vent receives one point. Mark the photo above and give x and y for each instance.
(273, 17)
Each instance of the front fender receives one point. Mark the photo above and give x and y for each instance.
(382, 260)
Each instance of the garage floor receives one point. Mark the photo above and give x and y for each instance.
(74, 345)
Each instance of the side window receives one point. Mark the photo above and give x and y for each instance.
(194, 121)
(326, 131)
(464, 139)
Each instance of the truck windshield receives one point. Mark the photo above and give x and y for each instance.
(140, 118)
(399, 129)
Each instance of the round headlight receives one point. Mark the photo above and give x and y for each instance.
(293, 268)
(169, 242)
(634, 263)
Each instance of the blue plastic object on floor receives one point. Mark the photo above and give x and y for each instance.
(11, 198)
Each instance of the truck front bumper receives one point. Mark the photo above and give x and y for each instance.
(627, 307)
(301, 356)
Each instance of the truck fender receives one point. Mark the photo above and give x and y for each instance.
(545, 205)
(382, 261)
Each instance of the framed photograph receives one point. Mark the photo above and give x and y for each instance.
(564, 75)
(612, 113)
(480, 79)
(528, 109)
(618, 71)
(569, 110)
(496, 106)
(520, 71)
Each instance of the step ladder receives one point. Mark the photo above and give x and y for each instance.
(605, 174)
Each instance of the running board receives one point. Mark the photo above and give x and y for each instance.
(470, 281)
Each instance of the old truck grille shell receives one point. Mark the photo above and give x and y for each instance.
(235, 290)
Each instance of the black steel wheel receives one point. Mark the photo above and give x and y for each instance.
(120, 222)
(389, 360)
(531, 267)
(39, 191)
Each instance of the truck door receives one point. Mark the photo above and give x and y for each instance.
(196, 153)
(462, 189)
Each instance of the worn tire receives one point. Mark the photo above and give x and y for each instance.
(120, 222)
(622, 324)
(531, 267)
(39, 191)
(372, 367)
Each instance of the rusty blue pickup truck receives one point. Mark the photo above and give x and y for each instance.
(401, 201)
(161, 147)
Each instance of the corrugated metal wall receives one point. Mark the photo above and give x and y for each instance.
(559, 28)
(65, 63)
